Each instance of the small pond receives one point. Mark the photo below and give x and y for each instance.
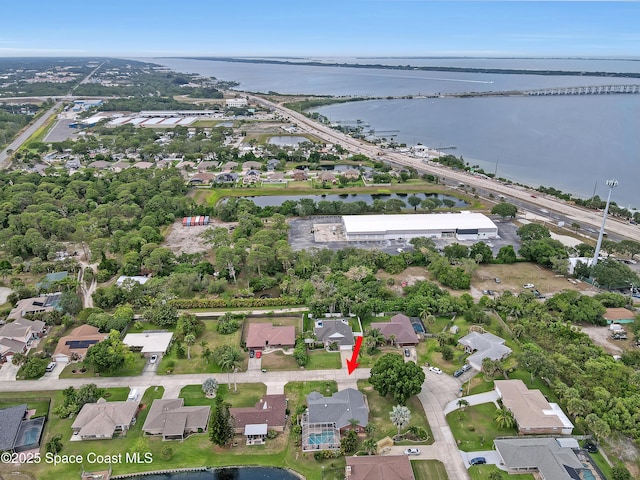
(368, 198)
(242, 473)
(287, 140)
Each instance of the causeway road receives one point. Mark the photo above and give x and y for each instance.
(577, 214)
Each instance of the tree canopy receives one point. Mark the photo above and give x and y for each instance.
(391, 375)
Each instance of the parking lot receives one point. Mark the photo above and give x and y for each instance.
(327, 232)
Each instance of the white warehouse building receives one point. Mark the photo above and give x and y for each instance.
(462, 226)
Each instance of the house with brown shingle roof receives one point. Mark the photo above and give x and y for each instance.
(327, 177)
(388, 467)
(75, 345)
(351, 174)
(399, 328)
(263, 335)
(619, 315)
(101, 420)
(254, 422)
(300, 175)
(532, 412)
(171, 419)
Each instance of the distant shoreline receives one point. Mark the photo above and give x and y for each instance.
(502, 71)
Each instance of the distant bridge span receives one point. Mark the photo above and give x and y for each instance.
(592, 90)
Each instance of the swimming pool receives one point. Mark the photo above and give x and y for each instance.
(418, 327)
(324, 437)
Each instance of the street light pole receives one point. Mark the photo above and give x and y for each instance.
(611, 184)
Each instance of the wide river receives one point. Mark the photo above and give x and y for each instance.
(573, 143)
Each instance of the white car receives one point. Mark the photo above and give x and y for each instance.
(412, 451)
(153, 359)
(528, 285)
(435, 370)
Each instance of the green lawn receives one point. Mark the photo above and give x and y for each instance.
(429, 470)
(475, 429)
(132, 369)
(322, 360)
(279, 361)
(248, 395)
(380, 407)
(198, 364)
(482, 472)
(39, 404)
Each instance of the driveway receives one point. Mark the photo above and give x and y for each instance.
(151, 368)
(492, 457)
(486, 397)
(8, 372)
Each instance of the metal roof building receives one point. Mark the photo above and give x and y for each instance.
(463, 226)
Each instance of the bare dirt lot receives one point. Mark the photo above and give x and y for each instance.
(406, 278)
(181, 239)
(513, 277)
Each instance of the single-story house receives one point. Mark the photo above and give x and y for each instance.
(400, 328)
(100, 165)
(300, 175)
(545, 456)
(275, 177)
(202, 178)
(254, 422)
(251, 165)
(351, 174)
(338, 331)
(171, 419)
(15, 423)
(10, 347)
(102, 420)
(327, 177)
(327, 418)
(141, 279)
(230, 166)
(143, 165)
(619, 315)
(44, 303)
(207, 165)
(272, 164)
(227, 177)
(484, 345)
(149, 342)
(531, 411)
(388, 467)
(75, 345)
(262, 335)
(340, 408)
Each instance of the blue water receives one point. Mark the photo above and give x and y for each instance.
(568, 142)
(418, 328)
(244, 473)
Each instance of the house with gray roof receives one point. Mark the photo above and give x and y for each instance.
(102, 420)
(399, 329)
(339, 409)
(484, 345)
(10, 347)
(171, 419)
(334, 331)
(544, 456)
(10, 419)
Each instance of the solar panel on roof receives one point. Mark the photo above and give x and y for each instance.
(76, 344)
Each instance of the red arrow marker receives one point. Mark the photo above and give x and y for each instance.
(352, 363)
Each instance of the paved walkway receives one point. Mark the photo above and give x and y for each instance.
(478, 399)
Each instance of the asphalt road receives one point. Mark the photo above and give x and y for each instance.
(528, 200)
(26, 133)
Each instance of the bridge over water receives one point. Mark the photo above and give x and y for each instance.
(592, 90)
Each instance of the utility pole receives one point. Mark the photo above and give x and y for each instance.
(611, 184)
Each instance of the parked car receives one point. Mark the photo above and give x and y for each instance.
(407, 352)
(466, 367)
(528, 285)
(478, 461)
(252, 353)
(153, 359)
(435, 370)
(620, 336)
(590, 447)
(458, 372)
(412, 451)
(497, 280)
(51, 367)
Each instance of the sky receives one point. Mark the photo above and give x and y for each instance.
(319, 28)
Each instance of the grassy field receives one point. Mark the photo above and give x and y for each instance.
(248, 395)
(321, 360)
(474, 428)
(198, 364)
(429, 470)
(482, 472)
(379, 408)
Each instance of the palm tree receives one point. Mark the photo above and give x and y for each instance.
(504, 418)
(400, 416)
(189, 340)
(370, 446)
(230, 360)
(462, 404)
(354, 423)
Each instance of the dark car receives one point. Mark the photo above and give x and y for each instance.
(407, 352)
(591, 447)
(458, 372)
(478, 461)
(252, 353)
